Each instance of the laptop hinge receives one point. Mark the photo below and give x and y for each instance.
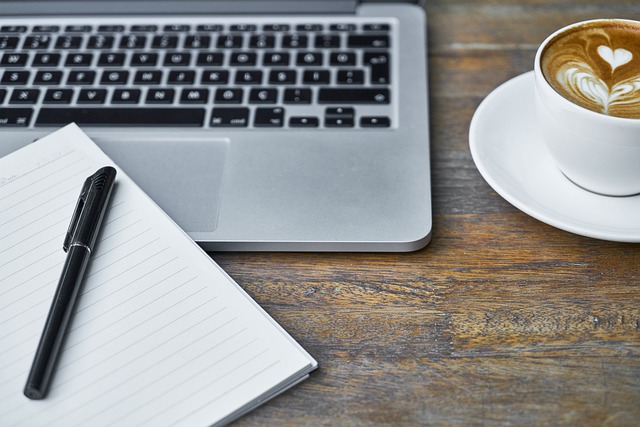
(183, 7)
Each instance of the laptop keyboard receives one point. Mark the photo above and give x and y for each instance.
(206, 75)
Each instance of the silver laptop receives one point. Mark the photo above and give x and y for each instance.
(270, 125)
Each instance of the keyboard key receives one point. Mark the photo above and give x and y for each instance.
(229, 96)
(177, 59)
(309, 58)
(68, 42)
(186, 77)
(114, 77)
(177, 28)
(243, 58)
(243, 27)
(263, 96)
(276, 27)
(353, 96)
(229, 117)
(342, 58)
(58, 96)
(133, 41)
(372, 41)
(160, 96)
(375, 122)
(111, 28)
(310, 27)
(210, 28)
(125, 96)
(339, 117)
(144, 28)
(13, 29)
(194, 96)
(269, 117)
(214, 77)
(92, 96)
(15, 77)
(78, 28)
(262, 41)
(48, 78)
(9, 42)
(379, 64)
(15, 116)
(284, 77)
(350, 77)
(164, 41)
(45, 29)
(46, 59)
(79, 59)
(342, 27)
(134, 116)
(296, 41)
(3, 94)
(326, 41)
(297, 96)
(81, 77)
(248, 77)
(111, 59)
(14, 59)
(215, 59)
(316, 77)
(376, 27)
(228, 41)
(100, 41)
(148, 77)
(197, 42)
(304, 121)
(144, 59)
(24, 96)
(276, 58)
(39, 41)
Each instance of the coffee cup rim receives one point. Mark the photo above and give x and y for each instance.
(568, 104)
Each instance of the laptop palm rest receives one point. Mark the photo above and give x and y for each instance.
(183, 177)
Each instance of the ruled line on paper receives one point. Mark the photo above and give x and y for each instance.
(126, 256)
(132, 327)
(146, 289)
(68, 205)
(183, 380)
(150, 350)
(31, 236)
(51, 177)
(14, 259)
(209, 402)
(13, 181)
(214, 381)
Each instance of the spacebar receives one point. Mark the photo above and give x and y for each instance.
(121, 116)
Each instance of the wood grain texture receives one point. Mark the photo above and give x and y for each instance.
(501, 320)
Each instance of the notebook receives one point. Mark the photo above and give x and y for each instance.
(255, 124)
(160, 336)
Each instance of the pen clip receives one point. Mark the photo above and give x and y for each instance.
(76, 214)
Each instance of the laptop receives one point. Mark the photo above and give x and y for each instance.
(257, 125)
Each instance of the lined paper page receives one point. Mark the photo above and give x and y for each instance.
(160, 336)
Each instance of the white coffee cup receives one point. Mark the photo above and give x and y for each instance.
(598, 152)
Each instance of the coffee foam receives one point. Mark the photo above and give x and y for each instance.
(597, 66)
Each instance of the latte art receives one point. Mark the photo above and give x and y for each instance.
(597, 66)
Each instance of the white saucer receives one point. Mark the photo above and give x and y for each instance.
(510, 154)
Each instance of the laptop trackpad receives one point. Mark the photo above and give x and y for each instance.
(183, 177)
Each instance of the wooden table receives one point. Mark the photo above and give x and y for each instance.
(501, 319)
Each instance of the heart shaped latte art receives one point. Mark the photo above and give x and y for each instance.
(615, 58)
(583, 83)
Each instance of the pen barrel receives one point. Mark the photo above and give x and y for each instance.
(57, 322)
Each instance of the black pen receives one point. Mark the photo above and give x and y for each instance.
(78, 243)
